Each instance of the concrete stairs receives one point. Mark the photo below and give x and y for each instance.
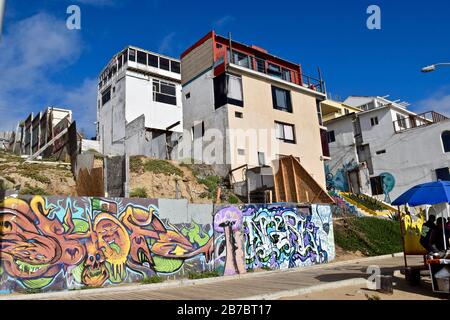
(367, 212)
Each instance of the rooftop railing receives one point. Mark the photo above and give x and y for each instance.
(417, 121)
(276, 71)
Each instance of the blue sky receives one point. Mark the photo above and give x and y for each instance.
(42, 63)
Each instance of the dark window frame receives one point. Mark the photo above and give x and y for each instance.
(221, 92)
(164, 97)
(443, 174)
(331, 136)
(152, 60)
(284, 124)
(162, 64)
(141, 57)
(175, 67)
(445, 138)
(288, 100)
(376, 185)
(106, 96)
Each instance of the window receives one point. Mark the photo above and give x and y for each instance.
(239, 115)
(188, 95)
(285, 132)
(175, 67)
(261, 65)
(164, 92)
(228, 90)
(120, 61)
(241, 59)
(261, 158)
(401, 120)
(125, 56)
(374, 121)
(132, 55)
(347, 111)
(446, 141)
(142, 57)
(331, 137)
(376, 184)
(274, 70)
(286, 75)
(164, 64)
(443, 174)
(153, 61)
(381, 152)
(281, 99)
(241, 152)
(106, 96)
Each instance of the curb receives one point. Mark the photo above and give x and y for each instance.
(187, 282)
(317, 288)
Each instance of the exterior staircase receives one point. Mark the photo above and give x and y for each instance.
(387, 213)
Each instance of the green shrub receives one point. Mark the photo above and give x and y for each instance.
(232, 199)
(33, 191)
(211, 182)
(164, 167)
(203, 275)
(152, 279)
(139, 193)
(136, 164)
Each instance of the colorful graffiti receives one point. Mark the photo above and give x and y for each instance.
(388, 185)
(55, 243)
(84, 242)
(274, 237)
(338, 181)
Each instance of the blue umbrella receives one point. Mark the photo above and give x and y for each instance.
(425, 194)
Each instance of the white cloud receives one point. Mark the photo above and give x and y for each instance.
(166, 46)
(223, 21)
(33, 51)
(439, 101)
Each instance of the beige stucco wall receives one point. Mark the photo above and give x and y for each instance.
(258, 113)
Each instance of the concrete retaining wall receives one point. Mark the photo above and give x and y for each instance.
(58, 243)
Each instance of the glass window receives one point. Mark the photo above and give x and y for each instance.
(331, 137)
(106, 96)
(261, 65)
(376, 184)
(446, 141)
(234, 88)
(228, 89)
(374, 121)
(142, 57)
(164, 64)
(132, 55)
(285, 132)
(241, 59)
(175, 67)
(443, 174)
(281, 99)
(286, 75)
(120, 59)
(274, 70)
(153, 61)
(164, 92)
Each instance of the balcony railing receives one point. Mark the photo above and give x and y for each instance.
(273, 70)
(417, 121)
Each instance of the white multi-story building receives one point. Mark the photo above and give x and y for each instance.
(139, 105)
(386, 149)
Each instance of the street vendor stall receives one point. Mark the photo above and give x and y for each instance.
(438, 257)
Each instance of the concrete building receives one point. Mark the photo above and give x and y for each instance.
(139, 104)
(332, 109)
(386, 149)
(245, 108)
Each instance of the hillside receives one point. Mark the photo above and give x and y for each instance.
(153, 178)
(36, 178)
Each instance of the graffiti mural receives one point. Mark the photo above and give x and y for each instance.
(57, 244)
(338, 180)
(388, 185)
(274, 237)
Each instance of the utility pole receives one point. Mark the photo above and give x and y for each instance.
(2, 14)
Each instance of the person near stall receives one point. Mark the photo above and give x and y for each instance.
(427, 229)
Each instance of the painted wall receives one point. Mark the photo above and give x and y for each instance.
(56, 243)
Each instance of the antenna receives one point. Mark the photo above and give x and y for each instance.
(2, 14)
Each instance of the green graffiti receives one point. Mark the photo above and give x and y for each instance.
(194, 235)
(164, 265)
(77, 272)
(37, 283)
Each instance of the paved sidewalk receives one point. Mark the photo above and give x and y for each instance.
(255, 286)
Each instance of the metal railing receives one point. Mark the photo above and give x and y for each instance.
(417, 121)
(273, 70)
